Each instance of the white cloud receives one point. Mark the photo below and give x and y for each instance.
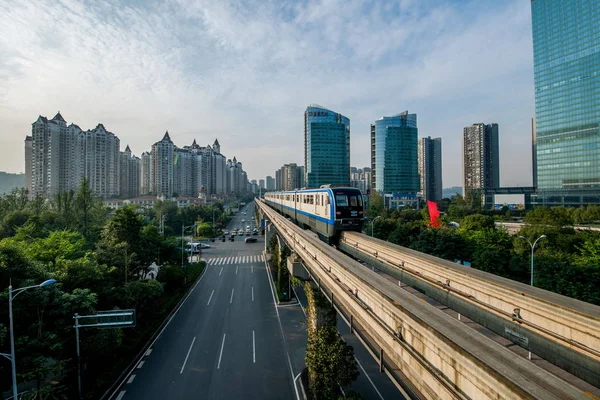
(244, 71)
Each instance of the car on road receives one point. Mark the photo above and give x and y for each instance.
(204, 245)
(251, 240)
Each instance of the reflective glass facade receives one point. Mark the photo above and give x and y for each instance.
(326, 147)
(394, 153)
(566, 49)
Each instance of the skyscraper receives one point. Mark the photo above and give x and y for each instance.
(567, 97)
(326, 147)
(481, 160)
(430, 168)
(394, 158)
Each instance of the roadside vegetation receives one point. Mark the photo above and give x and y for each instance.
(330, 362)
(101, 260)
(567, 261)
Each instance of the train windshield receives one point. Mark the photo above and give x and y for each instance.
(345, 200)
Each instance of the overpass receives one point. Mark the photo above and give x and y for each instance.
(514, 227)
(430, 354)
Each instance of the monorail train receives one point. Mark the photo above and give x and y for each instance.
(326, 211)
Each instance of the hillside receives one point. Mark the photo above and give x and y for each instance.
(10, 181)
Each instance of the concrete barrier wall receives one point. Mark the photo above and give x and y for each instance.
(574, 362)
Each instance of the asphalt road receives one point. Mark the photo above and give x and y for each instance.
(225, 342)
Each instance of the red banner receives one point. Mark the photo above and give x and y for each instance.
(434, 214)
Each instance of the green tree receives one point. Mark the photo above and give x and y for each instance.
(443, 243)
(88, 211)
(376, 204)
(331, 363)
(476, 222)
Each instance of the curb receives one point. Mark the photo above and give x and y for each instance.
(120, 381)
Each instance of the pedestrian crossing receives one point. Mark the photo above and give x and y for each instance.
(255, 258)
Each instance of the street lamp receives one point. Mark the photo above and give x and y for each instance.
(11, 295)
(183, 228)
(373, 223)
(532, 247)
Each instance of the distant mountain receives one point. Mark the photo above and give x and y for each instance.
(450, 192)
(10, 181)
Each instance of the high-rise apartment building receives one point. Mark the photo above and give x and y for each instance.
(130, 174)
(326, 147)
(163, 166)
(60, 156)
(430, 168)
(102, 162)
(394, 159)
(481, 159)
(261, 184)
(270, 182)
(361, 178)
(567, 85)
(147, 174)
(28, 162)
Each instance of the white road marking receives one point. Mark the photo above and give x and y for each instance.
(287, 353)
(148, 352)
(252, 293)
(369, 378)
(188, 354)
(220, 271)
(163, 329)
(211, 294)
(253, 349)
(131, 378)
(252, 269)
(236, 269)
(141, 364)
(221, 353)
(231, 299)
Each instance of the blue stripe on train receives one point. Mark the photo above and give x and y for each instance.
(327, 221)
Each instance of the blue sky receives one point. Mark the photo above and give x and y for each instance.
(244, 71)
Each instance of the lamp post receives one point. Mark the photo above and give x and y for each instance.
(373, 223)
(183, 228)
(532, 247)
(214, 233)
(11, 296)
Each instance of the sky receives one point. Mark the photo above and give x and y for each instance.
(245, 71)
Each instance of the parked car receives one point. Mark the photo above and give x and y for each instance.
(251, 240)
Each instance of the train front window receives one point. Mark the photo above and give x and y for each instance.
(341, 200)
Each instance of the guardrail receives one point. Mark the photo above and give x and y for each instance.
(441, 357)
(562, 330)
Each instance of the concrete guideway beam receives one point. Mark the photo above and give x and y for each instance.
(442, 358)
(562, 330)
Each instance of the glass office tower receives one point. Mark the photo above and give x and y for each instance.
(566, 50)
(394, 158)
(326, 147)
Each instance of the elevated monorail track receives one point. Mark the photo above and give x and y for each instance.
(441, 357)
(560, 329)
